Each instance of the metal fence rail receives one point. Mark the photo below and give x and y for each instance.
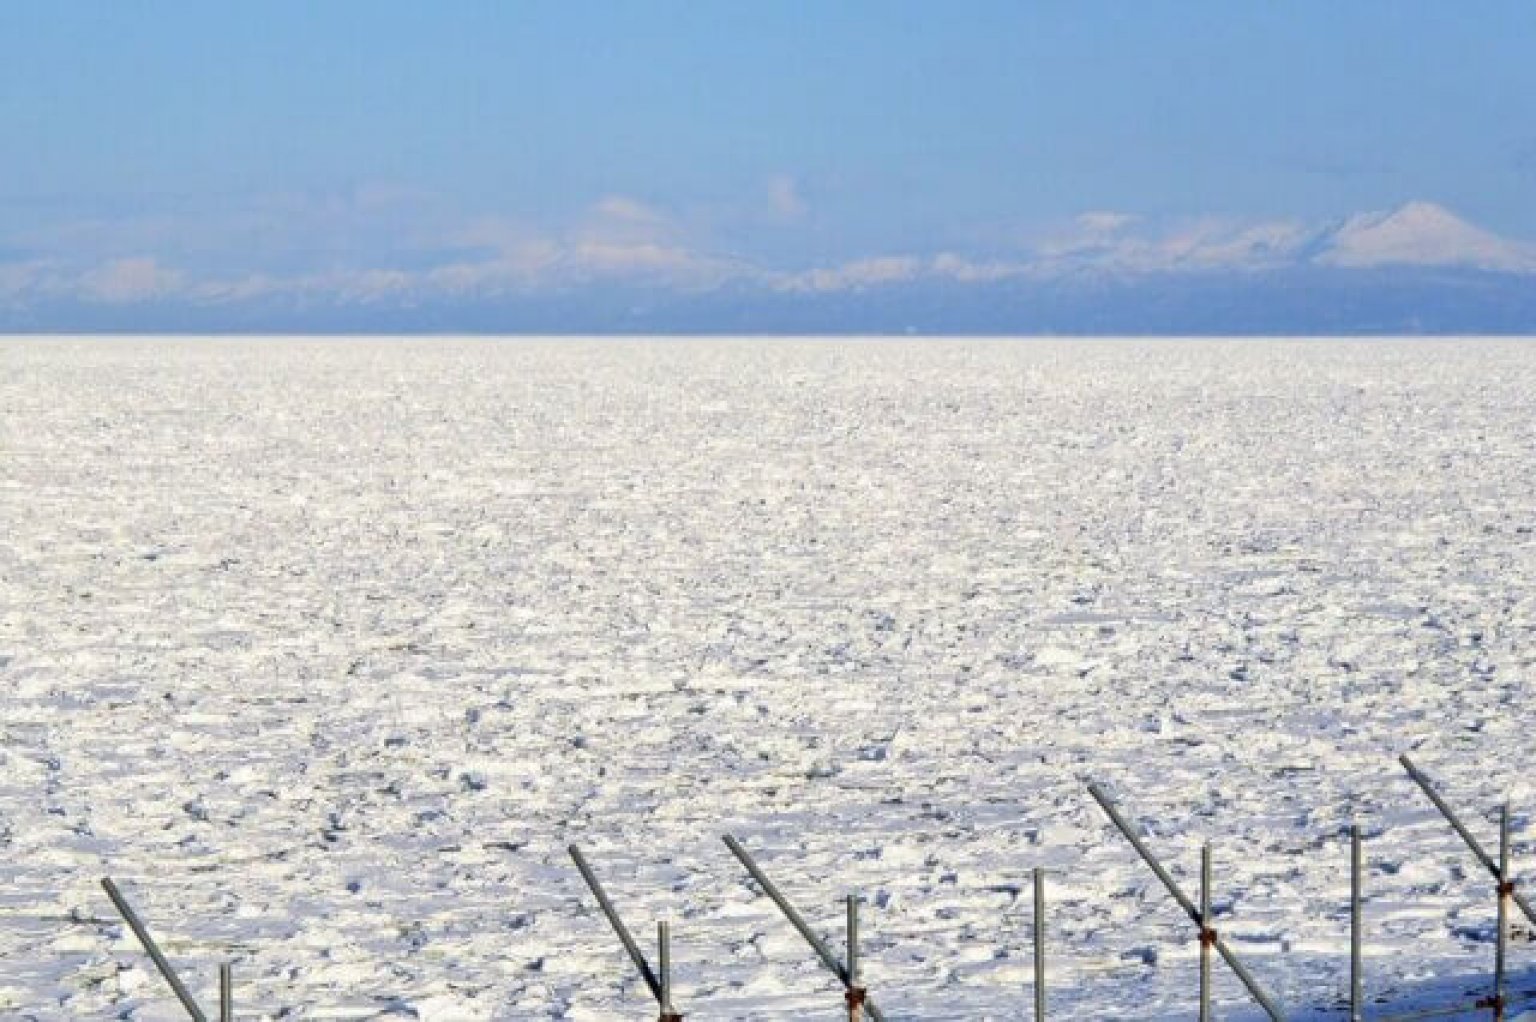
(850, 973)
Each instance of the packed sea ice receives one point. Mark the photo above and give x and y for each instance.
(326, 649)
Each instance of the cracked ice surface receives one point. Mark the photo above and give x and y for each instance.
(326, 650)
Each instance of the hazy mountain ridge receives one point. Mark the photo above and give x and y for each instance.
(1414, 269)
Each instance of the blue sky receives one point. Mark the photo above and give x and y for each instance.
(195, 157)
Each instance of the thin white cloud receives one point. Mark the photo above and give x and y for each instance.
(1105, 222)
(624, 209)
(967, 271)
(237, 289)
(618, 221)
(853, 276)
(366, 287)
(883, 271)
(784, 197)
(125, 281)
(613, 258)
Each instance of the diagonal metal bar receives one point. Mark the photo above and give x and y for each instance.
(619, 928)
(142, 932)
(1228, 955)
(1422, 780)
(818, 945)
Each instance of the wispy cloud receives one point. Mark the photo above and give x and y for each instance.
(784, 197)
(853, 276)
(625, 210)
(138, 279)
(1101, 222)
(969, 271)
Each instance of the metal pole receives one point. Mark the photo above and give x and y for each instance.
(226, 993)
(1039, 944)
(855, 991)
(1505, 889)
(1422, 781)
(153, 949)
(1356, 892)
(1206, 933)
(664, 966)
(1227, 954)
(1151, 860)
(819, 946)
(853, 940)
(618, 924)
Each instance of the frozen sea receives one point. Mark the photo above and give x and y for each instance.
(326, 649)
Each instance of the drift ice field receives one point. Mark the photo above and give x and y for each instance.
(327, 649)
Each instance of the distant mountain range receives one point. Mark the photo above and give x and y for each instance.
(1417, 269)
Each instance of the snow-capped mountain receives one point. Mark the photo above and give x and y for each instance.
(1422, 234)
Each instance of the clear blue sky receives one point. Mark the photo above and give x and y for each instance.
(166, 147)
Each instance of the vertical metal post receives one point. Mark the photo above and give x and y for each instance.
(1506, 888)
(153, 950)
(226, 993)
(853, 940)
(1039, 944)
(664, 967)
(1206, 932)
(855, 990)
(1356, 893)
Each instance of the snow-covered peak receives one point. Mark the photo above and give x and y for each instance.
(1423, 234)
